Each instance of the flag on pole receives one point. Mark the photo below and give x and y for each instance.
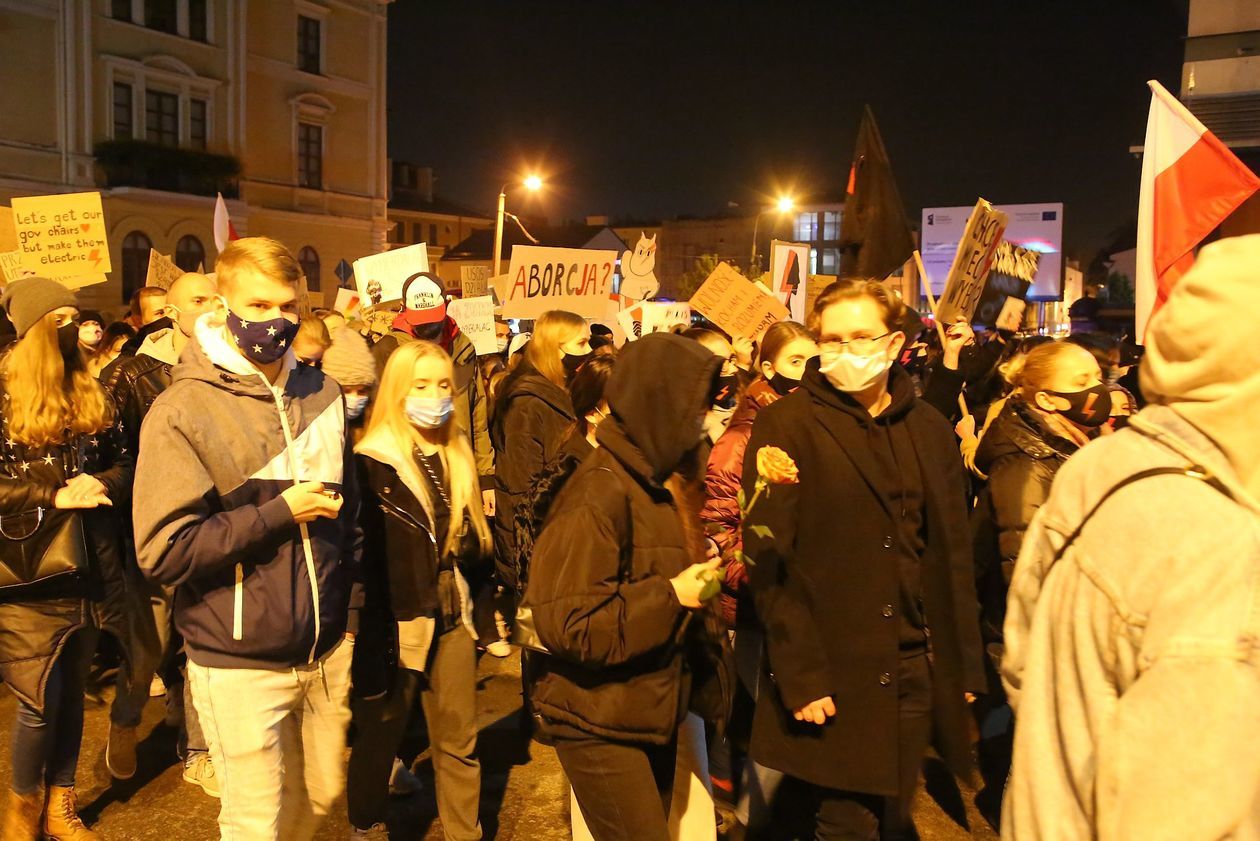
(1190, 183)
(223, 230)
(874, 234)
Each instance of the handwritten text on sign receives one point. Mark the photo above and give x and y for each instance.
(971, 266)
(736, 304)
(579, 280)
(62, 235)
(475, 317)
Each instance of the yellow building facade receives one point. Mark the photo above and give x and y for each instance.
(159, 104)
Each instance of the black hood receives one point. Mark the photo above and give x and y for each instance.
(658, 394)
(525, 381)
(900, 388)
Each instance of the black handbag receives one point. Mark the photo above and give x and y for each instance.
(42, 552)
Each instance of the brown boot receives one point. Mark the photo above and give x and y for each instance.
(62, 820)
(21, 821)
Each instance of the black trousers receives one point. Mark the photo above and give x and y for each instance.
(624, 789)
(853, 816)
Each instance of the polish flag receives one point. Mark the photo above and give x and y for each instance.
(1190, 183)
(223, 230)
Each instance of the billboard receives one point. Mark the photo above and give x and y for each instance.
(1037, 227)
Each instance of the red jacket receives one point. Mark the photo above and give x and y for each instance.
(722, 480)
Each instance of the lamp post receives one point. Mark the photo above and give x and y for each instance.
(533, 183)
(783, 205)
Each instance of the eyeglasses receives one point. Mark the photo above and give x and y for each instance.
(860, 346)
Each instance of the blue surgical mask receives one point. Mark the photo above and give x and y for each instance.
(262, 342)
(355, 405)
(429, 412)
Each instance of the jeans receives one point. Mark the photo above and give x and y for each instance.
(624, 789)
(448, 694)
(46, 744)
(277, 739)
(758, 784)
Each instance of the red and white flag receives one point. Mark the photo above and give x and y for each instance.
(1190, 183)
(223, 230)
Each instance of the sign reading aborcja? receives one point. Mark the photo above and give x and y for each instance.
(579, 280)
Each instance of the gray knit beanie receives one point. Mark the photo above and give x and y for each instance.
(348, 360)
(28, 299)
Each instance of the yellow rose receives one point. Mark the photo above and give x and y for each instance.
(776, 467)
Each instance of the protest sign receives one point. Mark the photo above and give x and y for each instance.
(579, 280)
(971, 265)
(162, 271)
(474, 281)
(347, 303)
(11, 267)
(817, 283)
(380, 277)
(8, 235)
(660, 317)
(475, 317)
(631, 322)
(789, 272)
(62, 236)
(1010, 278)
(736, 304)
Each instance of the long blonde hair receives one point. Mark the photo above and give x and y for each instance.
(452, 440)
(49, 396)
(551, 330)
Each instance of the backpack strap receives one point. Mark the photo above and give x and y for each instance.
(1193, 471)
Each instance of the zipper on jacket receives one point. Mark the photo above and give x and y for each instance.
(238, 603)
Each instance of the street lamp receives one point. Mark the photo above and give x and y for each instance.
(785, 204)
(533, 183)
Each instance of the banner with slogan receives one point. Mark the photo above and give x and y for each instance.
(162, 271)
(579, 280)
(648, 317)
(735, 304)
(474, 281)
(380, 277)
(475, 317)
(789, 276)
(972, 261)
(1010, 277)
(62, 237)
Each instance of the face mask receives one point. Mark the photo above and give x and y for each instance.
(715, 423)
(90, 334)
(355, 405)
(1115, 375)
(429, 412)
(1089, 408)
(502, 344)
(727, 392)
(186, 323)
(783, 385)
(68, 339)
(850, 372)
(571, 363)
(262, 342)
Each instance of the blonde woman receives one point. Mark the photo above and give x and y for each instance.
(62, 460)
(424, 526)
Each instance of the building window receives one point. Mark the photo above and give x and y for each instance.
(308, 36)
(831, 225)
(806, 228)
(433, 237)
(197, 123)
(310, 156)
(190, 254)
(829, 261)
(309, 261)
(135, 263)
(160, 15)
(120, 10)
(417, 232)
(161, 117)
(198, 27)
(123, 127)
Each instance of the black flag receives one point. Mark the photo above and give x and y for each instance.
(873, 232)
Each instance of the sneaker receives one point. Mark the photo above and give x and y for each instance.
(372, 831)
(199, 770)
(157, 687)
(120, 752)
(403, 783)
(499, 648)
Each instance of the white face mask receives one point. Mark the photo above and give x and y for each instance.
(502, 343)
(429, 412)
(850, 372)
(90, 334)
(355, 404)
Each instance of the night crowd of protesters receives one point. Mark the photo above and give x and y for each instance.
(738, 574)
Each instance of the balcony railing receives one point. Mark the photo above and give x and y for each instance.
(139, 163)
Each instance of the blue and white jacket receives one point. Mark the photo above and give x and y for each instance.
(253, 588)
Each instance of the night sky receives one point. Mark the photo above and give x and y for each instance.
(652, 110)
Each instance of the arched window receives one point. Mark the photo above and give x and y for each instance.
(189, 253)
(135, 263)
(309, 260)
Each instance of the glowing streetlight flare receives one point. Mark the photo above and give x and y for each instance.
(533, 183)
(786, 204)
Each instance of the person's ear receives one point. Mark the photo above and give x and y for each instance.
(1045, 402)
(767, 369)
(897, 343)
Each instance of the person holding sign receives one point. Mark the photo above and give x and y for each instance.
(860, 572)
(63, 466)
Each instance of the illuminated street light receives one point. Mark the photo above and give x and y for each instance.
(533, 183)
(785, 204)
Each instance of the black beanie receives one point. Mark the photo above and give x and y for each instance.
(28, 299)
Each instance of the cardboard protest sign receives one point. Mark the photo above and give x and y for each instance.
(8, 234)
(736, 304)
(1010, 278)
(638, 270)
(162, 271)
(579, 280)
(789, 276)
(380, 277)
(662, 317)
(475, 317)
(62, 236)
(972, 262)
(474, 281)
(631, 322)
(817, 283)
(347, 303)
(11, 267)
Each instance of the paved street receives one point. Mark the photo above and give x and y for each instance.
(524, 794)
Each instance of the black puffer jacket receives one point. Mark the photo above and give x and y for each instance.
(135, 382)
(626, 657)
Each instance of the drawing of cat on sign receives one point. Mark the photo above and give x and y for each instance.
(638, 270)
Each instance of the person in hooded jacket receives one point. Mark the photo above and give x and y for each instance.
(616, 588)
(63, 458)
(861, 574)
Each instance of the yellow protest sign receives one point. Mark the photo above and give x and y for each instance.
(736, 304)
(62, 236)
(162, 270)
(8, 236)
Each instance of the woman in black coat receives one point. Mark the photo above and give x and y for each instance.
(861, 573)
(615, 586)
(63, 458)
